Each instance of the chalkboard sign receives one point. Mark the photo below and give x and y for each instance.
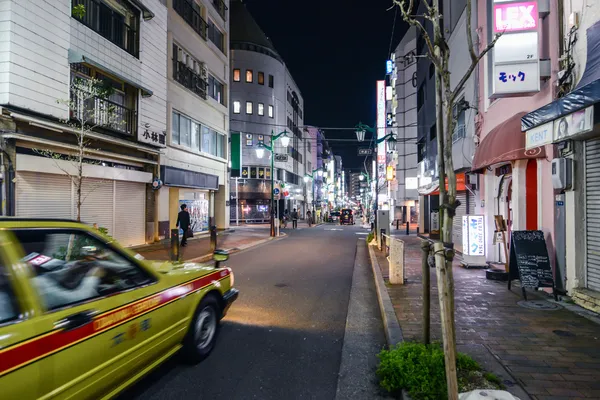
(529, 261)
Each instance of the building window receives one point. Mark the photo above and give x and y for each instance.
(237, 107)
(119, 24)
(261, 78)
(221, 8)
(249, 107)
(115, 111)
(189, 72)
(433, 132)
(249, 76)
(421, 96)
(261, 109)
(270, 111)
(216, 89)
(308, 146)
(421, 151)
(191, 13)
(195, 136)
(216, 36)
(237, 75)
(271, 83)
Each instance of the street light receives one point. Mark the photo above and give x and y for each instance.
(260, 152)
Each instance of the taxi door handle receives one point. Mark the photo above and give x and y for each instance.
(75, 320)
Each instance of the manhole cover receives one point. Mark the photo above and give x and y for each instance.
(281, 285)
(539, 305)
(563, 333)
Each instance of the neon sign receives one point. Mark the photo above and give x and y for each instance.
(515, 16)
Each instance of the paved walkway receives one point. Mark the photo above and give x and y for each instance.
(552, 354)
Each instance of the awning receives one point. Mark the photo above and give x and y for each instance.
(504, 143)
(77, 57)
(430, 189)
(585, 94)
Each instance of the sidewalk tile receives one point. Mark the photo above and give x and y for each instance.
(548, 364)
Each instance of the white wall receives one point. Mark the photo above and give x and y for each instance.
(34, 43)
(153, 58)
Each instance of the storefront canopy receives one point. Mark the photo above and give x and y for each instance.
(504, 143)
(585, 94)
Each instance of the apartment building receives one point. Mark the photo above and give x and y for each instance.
(49, 45)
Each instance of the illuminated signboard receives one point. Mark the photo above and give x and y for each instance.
(516, 65)
(475, 243)
(391, 171)
(412, 183)
(381, 129)
(389, 67)
(513, 17)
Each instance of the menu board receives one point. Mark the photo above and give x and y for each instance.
(529, 261)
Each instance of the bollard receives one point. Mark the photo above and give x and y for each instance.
(397, 224)
(425, 248)
(213, 238)
(407, 228)
(174, 253)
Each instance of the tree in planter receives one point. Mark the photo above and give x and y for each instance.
(88, 109)
(438, 52)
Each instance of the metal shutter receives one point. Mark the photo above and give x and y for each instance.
(592, 202)
(43, 195)
(457, 221)
(130, 213)
(471, 205)
(97, 203)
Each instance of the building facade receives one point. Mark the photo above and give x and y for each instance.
(194, 167)
(52, 45)
(265, 101)
(569, 126)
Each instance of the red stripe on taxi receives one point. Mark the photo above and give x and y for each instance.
(24, 353)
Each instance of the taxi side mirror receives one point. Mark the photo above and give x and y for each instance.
(220, 256)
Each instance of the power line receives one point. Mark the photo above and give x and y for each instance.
(330, 128)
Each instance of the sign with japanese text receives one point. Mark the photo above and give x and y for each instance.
(365, 151)
(516, 64)
(147, 134)
(475, 244)
(381, 114)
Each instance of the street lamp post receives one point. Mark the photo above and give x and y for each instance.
(260, 151)
(391, 141)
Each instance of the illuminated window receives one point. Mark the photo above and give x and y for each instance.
(237, 75)
(261, 78)
(261, 109)
(249, 76)
(248, 107)
(270, 111)
(237, 107)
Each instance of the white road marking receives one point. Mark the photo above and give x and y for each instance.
(334, 229)
(362, 233)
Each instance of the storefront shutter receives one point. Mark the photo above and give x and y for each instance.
(130, 213)
(592, 198)
(97, 203)
(43, 195)
(457, 222)
(471, 205)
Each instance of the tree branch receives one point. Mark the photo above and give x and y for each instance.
(406, 16)
(470, 33)
(472, 67)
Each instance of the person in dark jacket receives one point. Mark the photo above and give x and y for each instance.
(183, 222)
(294, 219)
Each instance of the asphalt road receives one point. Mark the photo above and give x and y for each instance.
(283, 338)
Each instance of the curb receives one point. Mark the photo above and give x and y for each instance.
(166, 242)
(235, 250)
(391, 327)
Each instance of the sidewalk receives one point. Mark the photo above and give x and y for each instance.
(552, 354)
(199, 248)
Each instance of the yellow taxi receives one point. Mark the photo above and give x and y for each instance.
(83, 318)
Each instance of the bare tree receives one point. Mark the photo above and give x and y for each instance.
(438, 52)
(88, 109)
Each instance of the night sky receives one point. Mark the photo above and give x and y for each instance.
(335, 50)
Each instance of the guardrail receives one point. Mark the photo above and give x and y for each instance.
(394, 251)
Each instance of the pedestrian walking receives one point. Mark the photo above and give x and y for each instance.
(309, 218)
(286, 218)
(294, 219)
(183, 222)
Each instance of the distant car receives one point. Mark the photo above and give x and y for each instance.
(347, 217)
(334, 216)
(83, 318)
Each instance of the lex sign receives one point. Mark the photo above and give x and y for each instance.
(513, 17)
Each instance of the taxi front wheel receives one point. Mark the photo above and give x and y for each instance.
(203, 332)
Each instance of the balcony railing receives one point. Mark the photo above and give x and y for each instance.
(104, 113)
(188, 78)
(459, 133)
(109, 24)
(190, 12)
(221, 8)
